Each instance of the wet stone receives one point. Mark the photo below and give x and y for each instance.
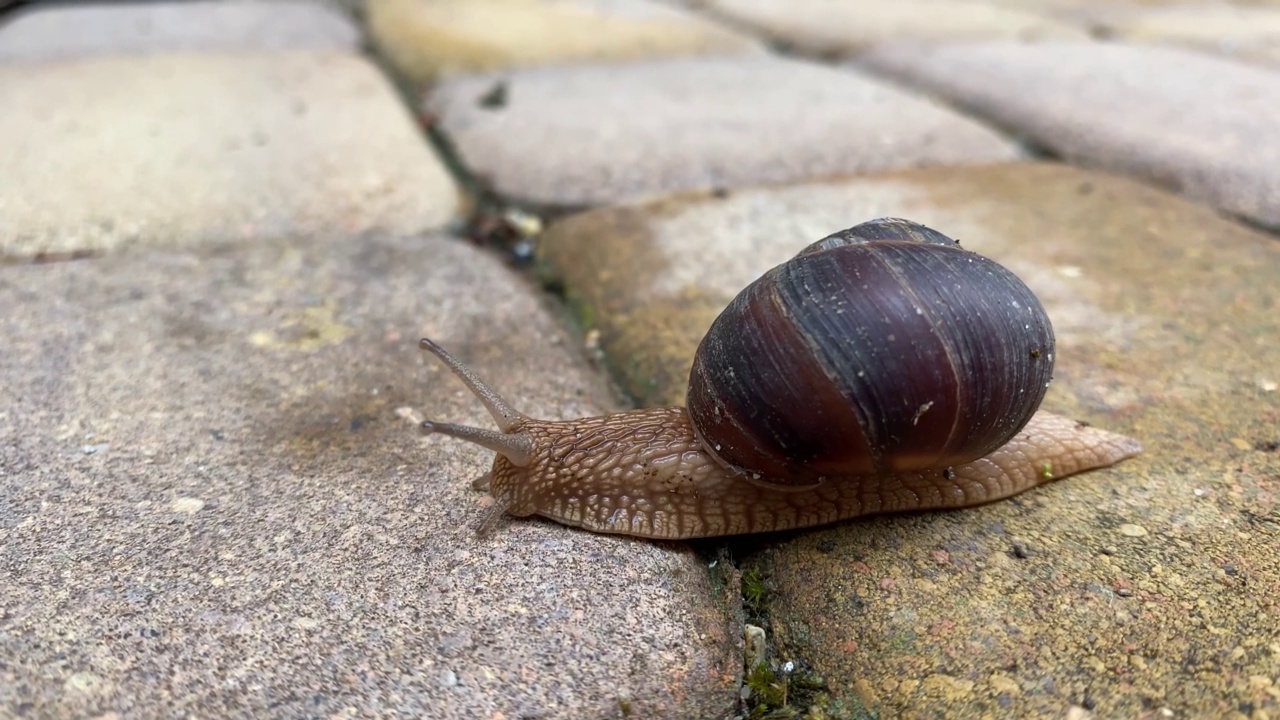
(1144, 576)
(66, 31)
(587, 135)
(194, 148)
(827, 28)
(428, 39)
(262, 532)
(1202, 125)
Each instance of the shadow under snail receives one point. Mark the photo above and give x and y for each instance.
(883, 368)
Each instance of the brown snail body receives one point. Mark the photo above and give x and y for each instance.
(882, 369)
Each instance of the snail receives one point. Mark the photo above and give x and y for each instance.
(883, 368)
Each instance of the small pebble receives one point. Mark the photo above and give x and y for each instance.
(755, 653)
(1131, 530)
(186, 505)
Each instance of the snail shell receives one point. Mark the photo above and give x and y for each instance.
(884, 368)
(885, 347)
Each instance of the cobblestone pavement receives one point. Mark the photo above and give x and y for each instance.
(225, 225)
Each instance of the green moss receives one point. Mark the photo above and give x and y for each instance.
(585, 314)
(754, 593)
(904, 641)
(790, 690)
(779, 694)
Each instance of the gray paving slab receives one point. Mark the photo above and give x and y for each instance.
(847, 27)
(587, 135)
(59, 31)
(1245, 32)
(198, 147)
(214, 501)
(1205, 126)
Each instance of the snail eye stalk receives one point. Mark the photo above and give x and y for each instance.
(516, 447)
(503, 414)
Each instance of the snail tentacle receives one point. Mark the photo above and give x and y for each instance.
(503, 414)
(492, 517)
(516, 447)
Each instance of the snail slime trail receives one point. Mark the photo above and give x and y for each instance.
(884, 368)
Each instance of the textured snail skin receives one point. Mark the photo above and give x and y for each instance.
(643, 473)
(882, 369)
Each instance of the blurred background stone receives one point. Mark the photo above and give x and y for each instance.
(1198, 124)
(428, 39)
(59, 31)
(192, 148)
(586, 135)
(829, 28)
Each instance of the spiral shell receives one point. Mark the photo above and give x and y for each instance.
(885, 347)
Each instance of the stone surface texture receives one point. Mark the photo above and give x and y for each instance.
(1073, 8)
(428, 39)
(213, 496)
(66, 31)
(1202, 125)
(1247, 33)
(838, 28)
(1139, 591)
(182, 148)
(224, 225)
(1148, 589)
(579, 136)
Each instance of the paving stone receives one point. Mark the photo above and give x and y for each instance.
(577, 136)
(63, 31)
(427, 39)
(174, 149)
(214, 498)
(827, 28)
(1068, 8)
(1203, 125)
(1247, 33)
(1147, 586)
(1269, 54)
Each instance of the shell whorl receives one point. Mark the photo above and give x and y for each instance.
(882, 348)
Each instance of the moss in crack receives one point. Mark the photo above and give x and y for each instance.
(787, 691)
(753, 594)
(774, 689)
(784, 688)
